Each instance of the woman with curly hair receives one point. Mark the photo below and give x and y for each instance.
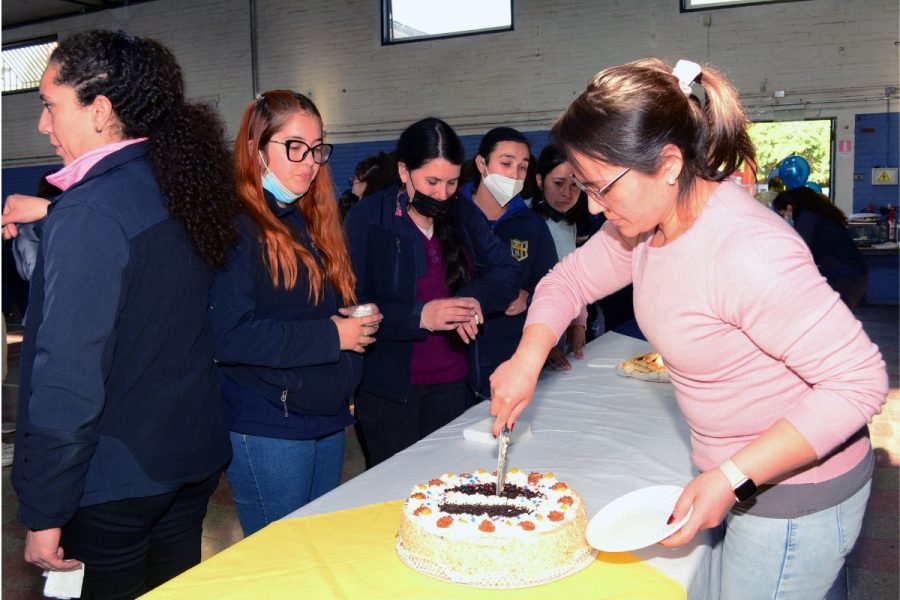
(288, 362)
(121, 435)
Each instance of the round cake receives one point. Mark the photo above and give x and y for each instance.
(455, 527)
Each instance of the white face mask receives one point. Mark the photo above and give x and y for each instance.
(501, 187)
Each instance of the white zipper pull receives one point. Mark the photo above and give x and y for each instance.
(284, 402)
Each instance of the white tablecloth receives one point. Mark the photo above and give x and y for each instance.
(603, 434)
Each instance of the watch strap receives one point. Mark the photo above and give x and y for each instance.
(732, 472)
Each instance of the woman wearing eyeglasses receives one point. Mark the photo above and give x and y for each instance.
(288, 361)
(774, 375)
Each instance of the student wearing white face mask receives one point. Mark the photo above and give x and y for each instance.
(500, 168)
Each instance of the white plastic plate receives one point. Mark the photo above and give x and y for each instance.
(636, 520)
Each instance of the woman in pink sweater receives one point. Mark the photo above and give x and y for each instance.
(774, 375)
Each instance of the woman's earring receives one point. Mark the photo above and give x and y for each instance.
(670, 181)
(98, 130)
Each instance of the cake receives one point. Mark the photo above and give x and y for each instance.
(455, 527)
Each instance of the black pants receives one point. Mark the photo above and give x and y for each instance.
(130, 546)
(389, 427)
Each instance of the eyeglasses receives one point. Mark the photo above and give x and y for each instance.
(296, 151)
(353, 180)
(592, 191)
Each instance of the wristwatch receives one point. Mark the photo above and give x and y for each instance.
(744, 488)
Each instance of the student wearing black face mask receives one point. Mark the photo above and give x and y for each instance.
(433, 267)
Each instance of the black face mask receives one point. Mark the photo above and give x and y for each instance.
(430, 207)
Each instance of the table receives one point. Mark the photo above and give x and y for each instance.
(603, 434)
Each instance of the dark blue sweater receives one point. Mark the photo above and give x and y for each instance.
(278, 346)
(118, 395)
(389, 257)
(529, 242)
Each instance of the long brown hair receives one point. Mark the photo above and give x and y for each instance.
(263, 118)
(630, 112)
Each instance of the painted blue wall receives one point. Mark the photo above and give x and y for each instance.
(877, 141)
(24, 180)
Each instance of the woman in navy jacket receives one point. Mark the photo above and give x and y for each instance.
(288, 363)
(435, 269)
(500, 169)
(121, 435)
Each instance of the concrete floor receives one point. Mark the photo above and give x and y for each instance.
(872, 568)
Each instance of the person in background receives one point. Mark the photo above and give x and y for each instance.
(776, 378)
(560, 203)
(501, 167)
(823, 227)
(371, 175)
(288, 361)
(121, 435)
(436, 271)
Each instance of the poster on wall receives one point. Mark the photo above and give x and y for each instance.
(845, 149)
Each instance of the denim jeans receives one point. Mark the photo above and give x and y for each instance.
(768, 559)
(271, 477)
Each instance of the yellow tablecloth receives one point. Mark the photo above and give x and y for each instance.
(350, 554)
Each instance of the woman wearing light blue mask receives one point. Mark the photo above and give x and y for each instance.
(501, 166)
(288, 360)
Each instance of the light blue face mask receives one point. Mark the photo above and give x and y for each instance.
(271, 183)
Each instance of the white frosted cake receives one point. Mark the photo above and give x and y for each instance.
(455, 527)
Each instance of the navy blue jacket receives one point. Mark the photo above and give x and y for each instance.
(389, 258)
(277, 342)
(118, 395)
(834, 252)
(527, 239)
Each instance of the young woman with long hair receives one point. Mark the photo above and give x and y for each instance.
(288, 360)
(432, 264)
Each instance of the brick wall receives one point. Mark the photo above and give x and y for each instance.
(832, 58)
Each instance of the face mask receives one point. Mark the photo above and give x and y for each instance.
(274, 186)
(428, 206)
(790, 221)
(502, 188)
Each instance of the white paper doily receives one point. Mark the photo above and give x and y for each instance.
(497, 581)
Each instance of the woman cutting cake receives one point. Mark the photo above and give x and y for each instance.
(777, 393)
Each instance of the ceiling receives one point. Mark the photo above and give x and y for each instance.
(24, 12)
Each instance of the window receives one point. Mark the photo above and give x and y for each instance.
(415, 20)
(691, 5)
(23, 64)
(812, 139)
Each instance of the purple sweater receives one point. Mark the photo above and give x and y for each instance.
(434, 359)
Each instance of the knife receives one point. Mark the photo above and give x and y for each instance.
(501, 459)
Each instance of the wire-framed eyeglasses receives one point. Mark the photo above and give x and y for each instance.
(296, 151)
(598, 194)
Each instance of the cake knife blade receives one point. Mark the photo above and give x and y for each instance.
(501, 459)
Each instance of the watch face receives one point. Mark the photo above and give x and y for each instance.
(745, 490)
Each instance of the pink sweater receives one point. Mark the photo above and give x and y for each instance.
(749, 329)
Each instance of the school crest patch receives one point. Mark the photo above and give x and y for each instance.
(519, 249)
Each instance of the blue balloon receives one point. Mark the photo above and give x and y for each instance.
(814, 186)
(794, 171)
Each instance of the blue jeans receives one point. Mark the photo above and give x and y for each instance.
(270, 477)
(768, 559)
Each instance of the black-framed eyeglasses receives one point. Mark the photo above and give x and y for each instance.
(352, 180)
(598, 194)
(296, 151)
